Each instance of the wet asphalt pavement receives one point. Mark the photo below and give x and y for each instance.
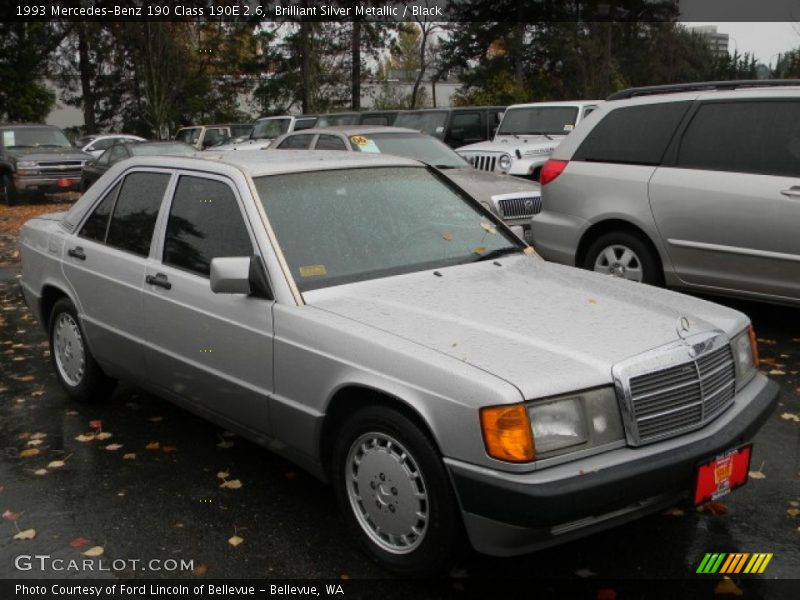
(152, 491)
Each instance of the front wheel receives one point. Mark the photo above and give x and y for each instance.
(391, 485)
(624, 255)
(76, 369)
(10, 194)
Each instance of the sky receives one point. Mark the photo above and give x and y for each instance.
(764, 40)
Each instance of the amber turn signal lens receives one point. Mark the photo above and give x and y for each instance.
(754, 346)
(507, 433)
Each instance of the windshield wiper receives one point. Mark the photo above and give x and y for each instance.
(444, 167)
(498, 253)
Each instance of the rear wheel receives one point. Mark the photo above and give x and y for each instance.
(391, 485)
(10, 195)
(624, 255)
(76, 369)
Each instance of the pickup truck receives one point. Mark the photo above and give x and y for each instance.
(37, 158)
(366, 318)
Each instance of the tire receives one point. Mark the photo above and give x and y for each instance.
(76, 369)
(10, 195)
(624, 255)
(382, 462)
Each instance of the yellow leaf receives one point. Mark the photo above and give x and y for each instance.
(235, 540)
(129, 456)
(488, 227)
(793, 512)
(103, 435)
(728, 588)
(27, 453)
(40, 472)
(34, 442)
(94, 551)
(38, 435)
(757, 475)
(479, 249)
(25, 534)
(790, 417)
(231, 484)
(152, 446)
(85, 437)
(447, 236)
(223, 475)
(56, 464)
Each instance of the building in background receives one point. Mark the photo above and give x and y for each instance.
(718, 42)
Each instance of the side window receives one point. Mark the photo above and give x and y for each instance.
(744, 137)
(304, 123)
(588, 110)
(636, 135)
(95, 226)
(330, 142)
(296, 142)
(204, 223)
(214, 136)
(104, 144)
(466, 128)
(136, 210)
(117, 153)
(104, 159)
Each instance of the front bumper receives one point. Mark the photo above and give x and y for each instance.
(507, 514)
(47, 184)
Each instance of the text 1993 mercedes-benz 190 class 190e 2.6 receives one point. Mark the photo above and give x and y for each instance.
(375, 324)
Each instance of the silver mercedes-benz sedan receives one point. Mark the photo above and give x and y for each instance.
(366, 318)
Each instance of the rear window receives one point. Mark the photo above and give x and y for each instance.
(636, 135)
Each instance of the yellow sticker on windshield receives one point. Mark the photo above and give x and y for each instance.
(479, 249)
(359, 140)
(313, 271)
(488, 227)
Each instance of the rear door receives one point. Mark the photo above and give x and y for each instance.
(728, 206)
(105, 265)
(214, 351)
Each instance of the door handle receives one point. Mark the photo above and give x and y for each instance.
(159, 280)
(77, 253)
(792, 192)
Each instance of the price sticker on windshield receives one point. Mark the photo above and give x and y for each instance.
(313, 271)
(359, 140)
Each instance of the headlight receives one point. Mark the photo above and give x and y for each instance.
(745, 356)
(546, 428)
(27, 164)
(504, 162)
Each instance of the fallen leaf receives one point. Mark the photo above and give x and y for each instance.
(24, 435)
(728, 588)
(103, 435)
(200, 570)
(757, 475)
(777, 372)
(87, 437)
(94, 551)
(41, 472)
(231, 484)
(794, 503)
(152, 446)
(479, 249)
(223, 475)
(72, 413)
(344, 576)
(37, 393)
(96, 424)
(79, 542)
(56, 464)
(28, 452)
(34, 442)
(178, 525)
(129, 456)
(26, 534)
(790, 417)
(447, 236)
(25, 378)
(169, 449)
(235, 540)
(592, 301)
(112, 447)
(38, 435)
(714, 507)
(793, 512)
(11, 516)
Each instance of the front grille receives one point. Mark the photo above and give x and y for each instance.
(69, 168)
(682, 397)
(482, 162)
(520, 207)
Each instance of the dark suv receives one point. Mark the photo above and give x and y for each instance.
(454, 126)
(37, 158)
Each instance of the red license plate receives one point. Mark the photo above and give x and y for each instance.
(63, 182)
(719, 476)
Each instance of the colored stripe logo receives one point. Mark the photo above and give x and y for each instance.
(735, 562)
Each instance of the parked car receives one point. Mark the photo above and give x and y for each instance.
(702, 192)
(267, 129)
(206, 136)
(379, 117)
(37, 158)
(95, 169)
(511, 199)
(371, 322)
(454, 126)
(526, 137)
(97, 144)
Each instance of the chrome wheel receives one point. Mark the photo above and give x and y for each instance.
(68, 348)
(387, 492)
(619, 261)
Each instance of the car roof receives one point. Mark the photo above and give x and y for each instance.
(720, 94)
(451, 109)
(349, 130)
(27, 126)
(558, 103)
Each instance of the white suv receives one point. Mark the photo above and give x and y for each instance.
(526, 137)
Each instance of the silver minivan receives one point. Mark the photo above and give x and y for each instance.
(696, 187)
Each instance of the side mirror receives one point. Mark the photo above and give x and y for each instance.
(230, 275)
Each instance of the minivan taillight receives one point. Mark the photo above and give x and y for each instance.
(552, 169)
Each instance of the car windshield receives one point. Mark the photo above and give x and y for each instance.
(157, 149)
(348, 225)
(430, 122)
(35, 137)
(270, 128)
(533, 120)
(241, 130)
(412, 145)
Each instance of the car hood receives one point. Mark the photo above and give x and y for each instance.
(546, 329)
(483, 184)
(510, 144)
(49, 154)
